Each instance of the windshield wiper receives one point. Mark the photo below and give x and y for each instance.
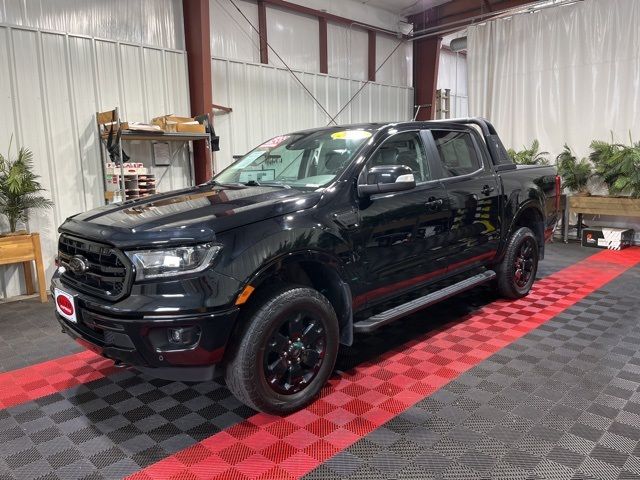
(256, 183)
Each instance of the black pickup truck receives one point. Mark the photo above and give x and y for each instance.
(307, 239)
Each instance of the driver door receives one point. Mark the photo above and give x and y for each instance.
(403, 233)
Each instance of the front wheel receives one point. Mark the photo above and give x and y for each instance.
(286, 352)
(517, 270)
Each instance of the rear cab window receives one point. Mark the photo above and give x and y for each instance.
(457, 152)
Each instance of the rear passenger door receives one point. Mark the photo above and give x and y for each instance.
(473, 190)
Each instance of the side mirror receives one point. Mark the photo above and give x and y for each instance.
(387, 179)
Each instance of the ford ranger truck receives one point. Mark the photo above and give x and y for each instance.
(314, 236)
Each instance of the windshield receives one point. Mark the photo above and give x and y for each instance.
(300, 160)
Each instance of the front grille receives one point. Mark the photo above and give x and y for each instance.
(109, 273)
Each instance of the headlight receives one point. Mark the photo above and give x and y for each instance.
(172, 261)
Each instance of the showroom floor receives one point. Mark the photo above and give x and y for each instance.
(544, 387)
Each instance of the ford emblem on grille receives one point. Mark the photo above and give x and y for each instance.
(78, 264)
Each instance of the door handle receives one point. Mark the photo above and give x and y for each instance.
(434, 203)
(487, 189)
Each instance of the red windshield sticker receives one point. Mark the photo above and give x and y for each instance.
(274, 142)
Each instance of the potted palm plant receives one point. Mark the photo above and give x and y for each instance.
(575, 174)
(19, 190)
(601, 156)
(618, 165)
(624, 170)
(529, 156)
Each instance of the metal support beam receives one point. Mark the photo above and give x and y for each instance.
(372, 56)
(262, 29)
(294, 7)
(324, 55)
(426, 59)
(197, 40)
(461, 10)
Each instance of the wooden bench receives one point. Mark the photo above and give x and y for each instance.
(25, 249)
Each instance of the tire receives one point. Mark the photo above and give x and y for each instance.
(264, 369)
(517, 270)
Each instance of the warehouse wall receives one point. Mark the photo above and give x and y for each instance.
(52, 84)
(149, 22)
(267, 100)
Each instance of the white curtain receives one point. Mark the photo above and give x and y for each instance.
(568, 74)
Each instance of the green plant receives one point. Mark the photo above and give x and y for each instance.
(601, 154)
(626, 170)
(529, 156)
(19, 188)
(618, 165)
(575, 174)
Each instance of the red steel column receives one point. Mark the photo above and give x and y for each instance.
(197, 38)
(262, 28)
(324, 55)
(426, 58)
(372, 56)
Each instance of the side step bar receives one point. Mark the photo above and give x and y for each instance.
(388, 316)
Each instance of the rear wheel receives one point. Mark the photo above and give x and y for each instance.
(286, 353)
(517, 271)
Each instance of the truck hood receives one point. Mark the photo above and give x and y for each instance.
(190, 215)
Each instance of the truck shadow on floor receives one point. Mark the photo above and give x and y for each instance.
(366, 348)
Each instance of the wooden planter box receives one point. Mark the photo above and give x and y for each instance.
(25, 249)
(597, 205)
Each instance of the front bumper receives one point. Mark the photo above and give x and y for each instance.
(132, 340)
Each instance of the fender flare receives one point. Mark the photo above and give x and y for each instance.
(538, 230)
(338, 288)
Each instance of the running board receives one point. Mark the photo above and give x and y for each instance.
(388, 316)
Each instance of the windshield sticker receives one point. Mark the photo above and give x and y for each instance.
(351, 135)
(248, 159)
(257, 175)
(274, 142)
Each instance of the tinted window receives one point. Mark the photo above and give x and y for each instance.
(457, 152)
(403, 149)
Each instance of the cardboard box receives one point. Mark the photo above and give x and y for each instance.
(190, 127)
(173, 124)
(605, 237)
(169, 123)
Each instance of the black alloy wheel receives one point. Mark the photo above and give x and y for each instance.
(517, 270)
(294, 353)
(286, 350)
(525, 262)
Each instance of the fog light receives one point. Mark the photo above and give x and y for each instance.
(174, 339)
(183, 335)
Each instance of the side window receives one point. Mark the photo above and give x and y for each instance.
(457, 152)
(403, 149)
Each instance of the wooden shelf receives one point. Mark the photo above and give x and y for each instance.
(130, 135)
(110, 122)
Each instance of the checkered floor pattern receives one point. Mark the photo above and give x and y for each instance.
(398, 399)
(563, 402)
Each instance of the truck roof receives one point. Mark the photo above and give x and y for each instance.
(459, 122)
